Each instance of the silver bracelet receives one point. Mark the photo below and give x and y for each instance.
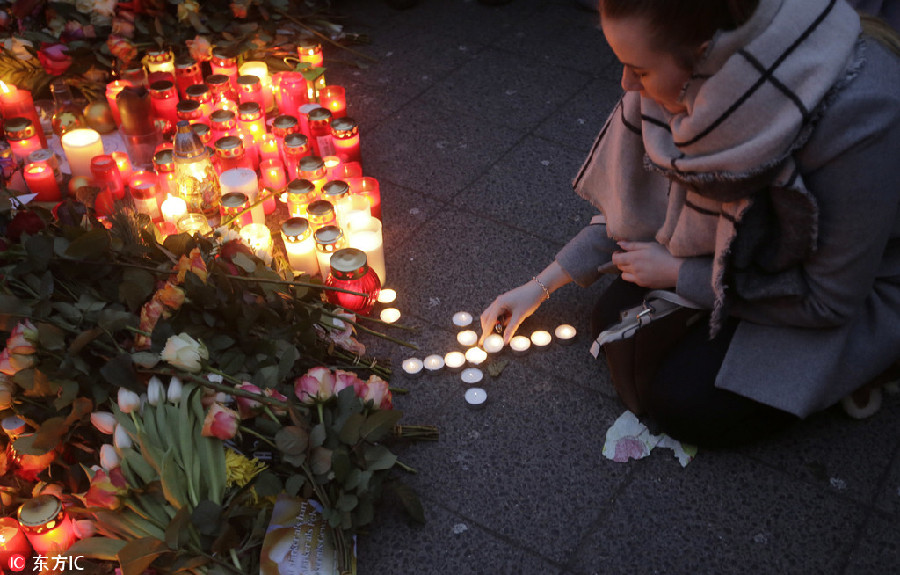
(543, 287)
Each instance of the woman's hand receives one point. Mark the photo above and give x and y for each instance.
(516, 305)
(647, 264)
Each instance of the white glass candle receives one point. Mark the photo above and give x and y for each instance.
(300, 246)
(493, 343)
(261, 71)
(259, 239)
(390, 315)
(541, 338)
(244, 181)
(365, 234)
(471, 375)
(462, 318)
(476, 397)
(519, 344)
(565, 334)
(80, 145)
(387, 296)
(434, 362)
(454, 360)
(412, 366)
(173, 208)
(467, 338)
(476, 355)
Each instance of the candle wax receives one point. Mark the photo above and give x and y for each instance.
(467, 337)
(390, 315)
(412, 366)
(434, 362)
(476, 397)
(462, 318)
(387, 296)
(472, 375)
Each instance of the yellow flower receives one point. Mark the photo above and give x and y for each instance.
(240, 470)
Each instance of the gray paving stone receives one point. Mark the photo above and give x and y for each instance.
(878, 550)
(578, 121)
(720, 514)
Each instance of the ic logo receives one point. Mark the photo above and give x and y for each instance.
(17, 563)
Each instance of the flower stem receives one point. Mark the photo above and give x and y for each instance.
(257, 435)
(406, 467)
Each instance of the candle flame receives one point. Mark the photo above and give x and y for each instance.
(6, 89)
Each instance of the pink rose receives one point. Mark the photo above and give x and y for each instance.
(248, 407)
(275, 394)
(220, 422)
(54, 59)
(379, 393)
(24, 222)
(345, 379)
(199, 48)
(316, 385)
(22, 338)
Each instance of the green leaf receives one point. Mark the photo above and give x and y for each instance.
(177, 534)
(267, 484)
(321, 461)
(51, 337)
(379, 424)
(102, 548)
(119, 371)
(179, 244)
(266, 377)
(139, 465)
(113, 320)
(379, 457)
(137, 555)
(294, 483)
(292, 440)
(39, 249)
(365, 513)
(410, 501)
(341, 464)
(346, 502)
(12, 311)
(496, 367)
(317, 436)
(67, 393)
(93, 244)
(136, 287)
(244, 262)
(207, 517)
(350, 432)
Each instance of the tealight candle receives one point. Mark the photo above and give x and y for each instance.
(541, 338)
(476, 355)
(472, 375)
(462, 318)
(454, 360)
(413, 366)
(467, 338)
(520, 344)
(434, 362)
(46, 525)
(493, 343)
(259, 239)
(565, 334)
(173, 208)
(80, 145)
(476, 397)
(387, 296)
(390, 315)
(13, 542)
(40, 180)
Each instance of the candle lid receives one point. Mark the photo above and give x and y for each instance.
(18, 128)
(249, 82)
(234, 200)
(40, 156)
(13, 424)
(283, 124)
(185, 62)
(38, 511)
(159, 55)
(187, 106)
(164, 160)
(345, 127)
(300, 186)
(202, 130)
(349, 263)
(229, 146)
(311, 164)
(217, 81)
(163, 89)
(224, 118)
(319, 114)
(320, 209)
(197, 91)
(328, 236)
(297, 143)
(249, 111)
(295, 229)
(223, 55)
(335, 189)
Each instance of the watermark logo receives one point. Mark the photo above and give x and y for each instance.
(17, 563)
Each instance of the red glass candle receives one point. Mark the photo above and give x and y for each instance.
(312, 168)
(292, 93)
(223, 123)
(112, 92)
(164, 164)
(251, 121)
(46, 525)
(345, 138)
(16, 103)
(350, 271)
(230, 154)
(295, 147)
(369, 188)
(22, 137)
(39, 179)
(334, 98)
(13, 544)
(333, 167)
(200, 93)
(284, 125)
(233, 203)
(189, 111)
(187, 73)
(144, 194)
(250, 149)
(164, 102)
(224, 96)
(350, 170)
(225, 64)
(320, 132)
(45, 156)
(300, 193)
(159, 64)
(273, 177)
(310, 52)
(203, 131)
(268, 148)
(250, 90)
(106, 176)
(124, 165)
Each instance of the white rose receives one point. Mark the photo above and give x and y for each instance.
(184, 352)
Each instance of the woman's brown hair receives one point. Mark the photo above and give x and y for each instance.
(681, 26)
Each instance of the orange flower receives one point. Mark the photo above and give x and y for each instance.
(106, 489)
(171, 296)
(193, 263)
(150, 314)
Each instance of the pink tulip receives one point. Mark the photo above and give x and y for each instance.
(220, 422)
(248, 407)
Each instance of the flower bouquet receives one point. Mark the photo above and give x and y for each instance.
(170, 393)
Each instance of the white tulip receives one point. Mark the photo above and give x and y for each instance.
(121, 439)
(128, 400)
(109, 458)
(155, 391)
(104, 421)
(174, 393)
(184, 352)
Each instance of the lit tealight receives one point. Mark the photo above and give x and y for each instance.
(541, 338)
(493, 343)
(476, 355)
(454, 360)
(390, 315)
(519, 343)
(413, 366)
(476, 397)
(434, 362)
(462, 319)
(471, 375)
(467, 338)
(565, 334)
(387, 296)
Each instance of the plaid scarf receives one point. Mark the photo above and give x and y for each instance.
(731, 187)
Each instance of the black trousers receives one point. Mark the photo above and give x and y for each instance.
(683, 400)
